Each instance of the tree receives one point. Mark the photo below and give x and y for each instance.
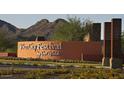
(72, 30)
(5, 42)
(122, 41)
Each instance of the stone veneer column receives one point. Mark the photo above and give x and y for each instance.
(116, 59)
(106, 44)
(96, 32)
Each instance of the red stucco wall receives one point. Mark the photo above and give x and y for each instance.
(75, 50)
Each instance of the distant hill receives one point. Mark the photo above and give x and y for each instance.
(41, 28)
(8, 27)
(10, 30)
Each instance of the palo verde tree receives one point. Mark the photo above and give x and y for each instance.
(72, 30)
(5, 42)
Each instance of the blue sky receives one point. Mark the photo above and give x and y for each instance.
(26, 20)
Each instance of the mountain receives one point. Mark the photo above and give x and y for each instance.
(10, 30)
(41, 28)
(8, 27)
